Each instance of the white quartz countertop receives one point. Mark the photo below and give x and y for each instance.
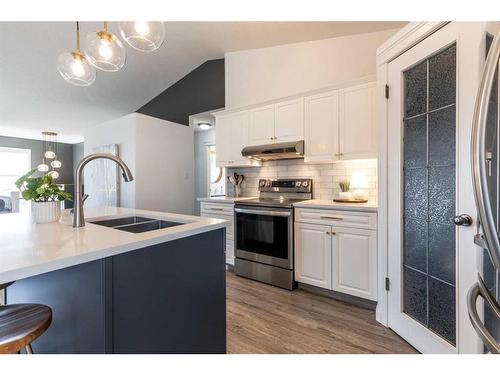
(224, 199)
(331, 205)
(29, 249)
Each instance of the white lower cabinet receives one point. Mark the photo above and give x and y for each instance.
(335, 256)
(354, 262)
(313, 255)
(224, 211)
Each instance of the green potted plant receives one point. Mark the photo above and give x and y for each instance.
(45, 195)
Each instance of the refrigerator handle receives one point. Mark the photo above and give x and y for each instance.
(479, 289)
(479, 154)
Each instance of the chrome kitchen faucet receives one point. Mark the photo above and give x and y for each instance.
(78, 217)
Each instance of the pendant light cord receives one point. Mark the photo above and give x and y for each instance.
(77, 36)
(105, 25)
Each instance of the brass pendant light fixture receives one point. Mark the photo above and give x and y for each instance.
(74, 67)
(143, 36)
(104, 50)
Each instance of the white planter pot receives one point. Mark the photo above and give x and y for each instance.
(345, 195)
(46, 212)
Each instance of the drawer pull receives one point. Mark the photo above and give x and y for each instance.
(217, 209)
(331, 218)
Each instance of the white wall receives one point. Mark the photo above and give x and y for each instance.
(121, 131)
(259, 75)
(160, 155)
(202, 139)
(165, 165)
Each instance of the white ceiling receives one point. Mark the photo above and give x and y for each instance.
(33, 97)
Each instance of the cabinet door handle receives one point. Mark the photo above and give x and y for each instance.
(333, 233)
(328, 233)
(331, 218)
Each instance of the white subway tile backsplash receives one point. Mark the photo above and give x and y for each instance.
(325, 176)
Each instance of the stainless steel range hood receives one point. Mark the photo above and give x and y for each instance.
(275, 151)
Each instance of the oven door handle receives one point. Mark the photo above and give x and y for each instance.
(263, 212)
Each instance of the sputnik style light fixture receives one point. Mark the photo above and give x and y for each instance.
(143, 36)
(73, 66)
(49, 152)
(104, 50)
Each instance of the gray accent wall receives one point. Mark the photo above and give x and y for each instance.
(203, 89)
(65, 155)
(78, 153)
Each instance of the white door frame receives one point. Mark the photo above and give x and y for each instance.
(470, 38)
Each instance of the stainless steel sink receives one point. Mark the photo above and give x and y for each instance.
(136, 224)
(121, 221)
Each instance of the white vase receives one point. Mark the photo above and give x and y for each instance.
(46, 212)
(345, 195)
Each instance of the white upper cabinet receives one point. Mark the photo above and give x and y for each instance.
(341, 124)
(261, 127)
(280, 122)
(322, 127)
(358, 132)
(239, 137)
(336, 125)
(289, 121)
(231, 138)
(222, 137)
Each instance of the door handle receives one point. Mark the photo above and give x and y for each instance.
(463, 220)
(479, 289)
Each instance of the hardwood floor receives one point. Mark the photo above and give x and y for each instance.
(265, 319)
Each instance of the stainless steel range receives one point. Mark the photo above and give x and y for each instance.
(264, 231)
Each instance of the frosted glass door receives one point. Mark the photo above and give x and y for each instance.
(429, 238)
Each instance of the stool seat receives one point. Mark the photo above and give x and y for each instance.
(22, 323)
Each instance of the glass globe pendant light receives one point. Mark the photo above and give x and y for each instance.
(53, 174)
(49, 151)
(143, 36)
(73, 66)
(42, 167)
(56, 164)
(104, 50)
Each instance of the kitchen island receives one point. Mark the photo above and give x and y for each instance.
(116, 291)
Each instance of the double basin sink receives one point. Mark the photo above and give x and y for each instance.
(136, 224)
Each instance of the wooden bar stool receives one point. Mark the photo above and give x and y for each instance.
(21, 324)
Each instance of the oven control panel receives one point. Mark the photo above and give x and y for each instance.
(296, 185)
